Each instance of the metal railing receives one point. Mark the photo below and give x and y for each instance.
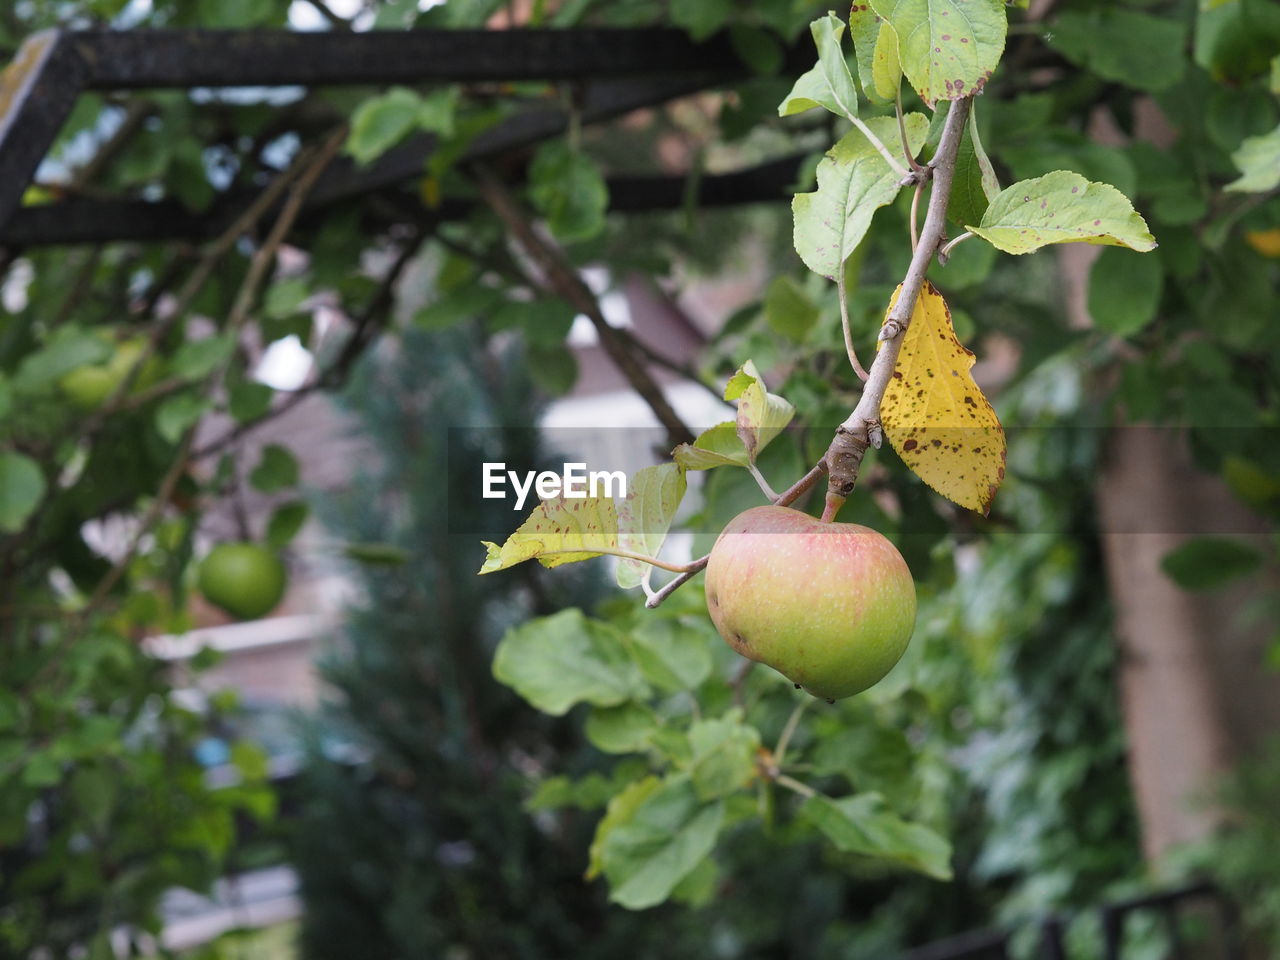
(1169, 907)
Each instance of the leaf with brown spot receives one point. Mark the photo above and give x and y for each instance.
(934, 414)
(559, 531)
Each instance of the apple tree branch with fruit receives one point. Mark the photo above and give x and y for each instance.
(831, 606)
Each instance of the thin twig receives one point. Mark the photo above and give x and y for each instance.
(793, 721)
(668, 589)
(660, 360)
(914, 218)
(944, 254)
(902, 132)
(844, 325)
(739, 682)
(795, 786)
(367, 324)
(263, 259)
(566, 281)
(801, 486)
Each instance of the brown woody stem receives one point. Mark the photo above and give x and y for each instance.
(862, 427)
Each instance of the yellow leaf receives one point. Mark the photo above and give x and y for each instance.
(559, 531)
(1266, 242)
(934, 414)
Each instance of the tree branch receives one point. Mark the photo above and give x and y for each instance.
(368, 323)
(566, 281)
(861, 428)
(263, 259)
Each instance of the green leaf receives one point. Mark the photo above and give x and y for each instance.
(621, 729)
(378, 554)
(42, 770)
(829, 84)
(22, 485)
(559, 530)
(568, 189)
(672, 656)
(975, 183)
(644, 517)
(761, 415)
(663, 840)
(589, 793)
(863, 824)
(968, 201)
(553, 367)
(557, 661)
(285, 297)
(286, 520)
(1258, 160)
(1204, 563)
(724, 755)
(381, 122)
(1124, 290)
(698, 888)
(545, 322)
(947, 48)
(853, 182)
(436, 111)
(700, 18)
(457, 305)
(176, 414)
(1136, 49)
(67, 349)
(788, 310)
(6, 398)
(1236, 39)
(758, 48)
(249, 400)
(1062, 207)
(717, 446)
(622, 807)
(869, 754)
(876, 47)
(196, 359)
(277, 470)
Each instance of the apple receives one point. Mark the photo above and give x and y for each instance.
(88, 386)
(244, 579)
(830, 606)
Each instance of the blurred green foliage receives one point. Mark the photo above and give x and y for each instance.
(999, 731)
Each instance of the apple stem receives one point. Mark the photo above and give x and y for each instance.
(832, 507)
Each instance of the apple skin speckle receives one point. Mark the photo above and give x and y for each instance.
(830, 606)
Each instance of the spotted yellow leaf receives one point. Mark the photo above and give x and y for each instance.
(934, 414)
(560, 530)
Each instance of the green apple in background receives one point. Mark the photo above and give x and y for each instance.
(88, 386)
(244, 579)
(830, 606)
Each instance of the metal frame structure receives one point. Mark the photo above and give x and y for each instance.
(615, 70)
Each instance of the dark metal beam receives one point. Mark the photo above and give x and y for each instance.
(38, 90)
(107, 221)
(246, 58)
